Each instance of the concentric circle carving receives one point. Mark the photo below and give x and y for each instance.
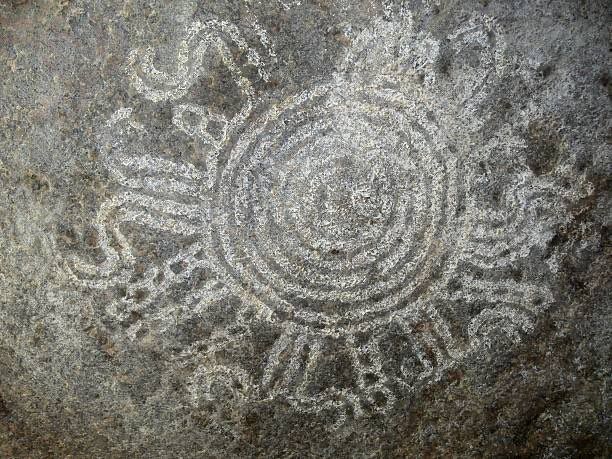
(339, 204)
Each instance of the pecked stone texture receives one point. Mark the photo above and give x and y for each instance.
(310, 229)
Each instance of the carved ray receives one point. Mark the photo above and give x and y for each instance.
(510, 320)
(156, 281)
(281, 345)
(371, 379)
(199, 39)
(315, 344)
(149, 163)
(113, 259)
(527, 295)
(154, 184)
(427, 344)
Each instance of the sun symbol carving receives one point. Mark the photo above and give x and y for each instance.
(346, 217)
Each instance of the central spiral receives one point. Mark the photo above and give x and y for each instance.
(343, 200)
(338, 205)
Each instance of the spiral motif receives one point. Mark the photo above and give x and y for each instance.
(339, 205)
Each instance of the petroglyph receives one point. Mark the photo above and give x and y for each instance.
(205, 42)
(342, 216)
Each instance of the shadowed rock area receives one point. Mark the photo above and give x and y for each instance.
(302, 228)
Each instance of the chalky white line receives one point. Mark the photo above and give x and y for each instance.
(342, 212)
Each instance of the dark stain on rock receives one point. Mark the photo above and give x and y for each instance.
(604, 80)
(38, 183)
(544, 146)
(4, 411)
(66, 236)
(443, 64)
(545, 71)
(19, 3)
(103, 340)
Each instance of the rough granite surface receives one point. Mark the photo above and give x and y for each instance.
(305, 228)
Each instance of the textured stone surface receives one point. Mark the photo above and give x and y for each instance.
(311, 229)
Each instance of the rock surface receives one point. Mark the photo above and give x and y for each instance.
(304, 228)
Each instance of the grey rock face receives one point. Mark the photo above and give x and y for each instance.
(313, 229)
